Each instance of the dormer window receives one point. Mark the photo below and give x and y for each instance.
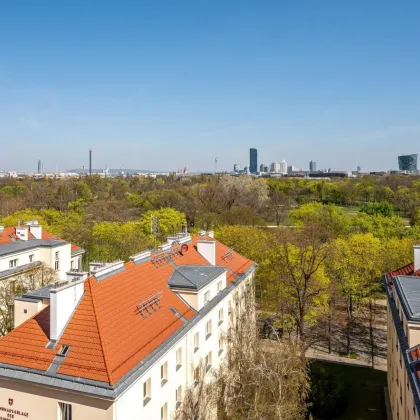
(13, 263)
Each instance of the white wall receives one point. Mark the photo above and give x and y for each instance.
(130, 405)
(63, 302)
(23, 258)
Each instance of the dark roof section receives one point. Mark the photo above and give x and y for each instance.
(20, 269)
(12, 247)
(407, 270)
(194, 277)
(42, 293)
(408, 289)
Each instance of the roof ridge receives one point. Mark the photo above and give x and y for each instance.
(108, 371)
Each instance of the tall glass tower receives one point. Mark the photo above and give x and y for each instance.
(253, 161)
(407, 162)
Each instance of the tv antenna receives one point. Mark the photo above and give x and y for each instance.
(154, 228)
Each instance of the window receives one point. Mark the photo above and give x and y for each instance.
(206, 297)
(13, 263)
(208, 329)
(208, 361)
(32, 278)
(72, 265)
(221, 345)
(196, 341)
(196, 376)
(178, 358)
(147, 391)
(164, 374)
(56, 265)
(219, 286)
(57, 256)
(178, 396)
(220, 316)
(31, 258)
(164, 412)
(65, 411)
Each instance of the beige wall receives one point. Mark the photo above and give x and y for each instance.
(42, 403)
(31, 309)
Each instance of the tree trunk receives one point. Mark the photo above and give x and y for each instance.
(349, 322)
(372, 341)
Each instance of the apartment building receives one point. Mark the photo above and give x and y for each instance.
(26, 247)
(123, 341)
(403, 324)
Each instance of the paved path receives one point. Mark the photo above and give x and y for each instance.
(380, 363)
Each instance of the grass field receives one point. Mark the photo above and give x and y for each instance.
(364, 389)
(351, 210)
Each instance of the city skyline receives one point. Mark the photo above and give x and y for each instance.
(288, 83)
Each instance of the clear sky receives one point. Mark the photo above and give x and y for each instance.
(165, 84)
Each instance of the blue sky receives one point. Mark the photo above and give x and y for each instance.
(165, 84)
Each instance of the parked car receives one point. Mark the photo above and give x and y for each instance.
(267, 329)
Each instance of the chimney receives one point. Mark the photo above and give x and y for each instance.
(207, 249)
(22, 232)
(416, 257)
(35, 228)
(210, 233)
(63, 301)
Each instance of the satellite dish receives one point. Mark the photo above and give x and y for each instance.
(184, 248)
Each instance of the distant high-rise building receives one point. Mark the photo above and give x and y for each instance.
(265, 169)
(262, 167)
(312, 166)
(253, 161)
(283, 167)
(39, 166)
(275, 167)
(293, 168)
(407, 162)
(236, 167)
(359, 169)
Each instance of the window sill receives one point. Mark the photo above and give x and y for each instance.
(146, 401)
(163, 382)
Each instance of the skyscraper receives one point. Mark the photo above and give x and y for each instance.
(312, 166)
(253, 161)
(407, 162)
(39, 166)
(236, 167)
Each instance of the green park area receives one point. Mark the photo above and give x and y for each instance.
(347, 392)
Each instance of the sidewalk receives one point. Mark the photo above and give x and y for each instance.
(380, 363)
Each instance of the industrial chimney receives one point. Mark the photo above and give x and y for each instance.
(90, 162)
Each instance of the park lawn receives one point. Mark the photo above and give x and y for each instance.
(364, 389)
(351, 210)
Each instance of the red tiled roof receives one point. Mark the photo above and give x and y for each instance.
(407, 270)
(106, 334)
(9, 235)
